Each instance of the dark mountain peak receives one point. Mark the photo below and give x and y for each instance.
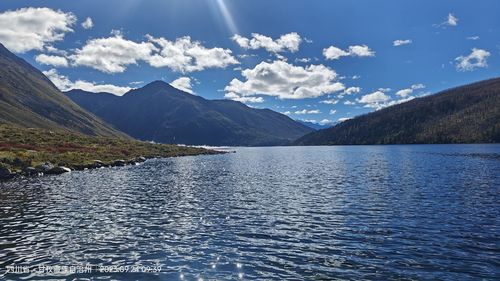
(154, 87)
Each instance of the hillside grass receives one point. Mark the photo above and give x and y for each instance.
(24, 147)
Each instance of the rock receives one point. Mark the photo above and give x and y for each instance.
(119, 163)
(98, 164)
(58, 170)
(44, 168)
(30, 171)
(140, 159)
(5, 173)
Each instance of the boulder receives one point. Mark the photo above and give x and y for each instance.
(140, 159)
(5, 173)
(30, 171)
(44, 168)
(58, 170)
(98, 164)
(119, 163)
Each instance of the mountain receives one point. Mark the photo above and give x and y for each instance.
(162, 113)
(467, 114)
(313, 125)
(29, 99)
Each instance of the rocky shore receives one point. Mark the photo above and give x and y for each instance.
(48, 168)
(32, 152)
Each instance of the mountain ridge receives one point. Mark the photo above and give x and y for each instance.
(464, 114)
(29, 99)
(162, 113)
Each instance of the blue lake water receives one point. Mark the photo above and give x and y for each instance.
(345, 212)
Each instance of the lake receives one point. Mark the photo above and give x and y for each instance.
(345, 212)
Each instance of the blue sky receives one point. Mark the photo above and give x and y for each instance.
(313, 60)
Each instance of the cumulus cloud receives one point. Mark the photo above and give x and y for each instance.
(286, 81)
(87, 23)
(404, 93)
(65, 84)
(334, 53)
(183, 84)
(377, 99)
(185, 55)
(476, 59)
(112, 54)
(399, 42)
(330, 101)
(349, 91)
(236, 97)
(290, 42)
(56, 61)
(333, 111)
(348, 102)
(33, 28)
(305, 111)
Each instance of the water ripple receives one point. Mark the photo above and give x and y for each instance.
(365, 212)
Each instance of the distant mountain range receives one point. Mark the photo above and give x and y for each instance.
(29, 99)
(467, 114)
(313, 125)
(161, 113)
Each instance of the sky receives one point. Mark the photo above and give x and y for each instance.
(323, 61)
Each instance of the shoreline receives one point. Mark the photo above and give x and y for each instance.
(31, 151)
(48, 168)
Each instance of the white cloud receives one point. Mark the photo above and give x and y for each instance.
(349, 91)
(400, 42)
(28, 29)
(305, 111)
(376, 99)
(65, 84)
(185, 55)
(352, 90)
(473, 38)
(136, 82)
(334, 53)
(183, 84)
(452, 20)
(87, 23)
(344, 119)
(56, 61)
(236, 97)
(347, 102)
(476, 59)
(404, 93)
(112, 54)
(303, 60)
(325, 122)
(330, 101)
(290, 42)
(286, 81)
(333, 111)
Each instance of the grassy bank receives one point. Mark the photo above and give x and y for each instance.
(22, 147)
